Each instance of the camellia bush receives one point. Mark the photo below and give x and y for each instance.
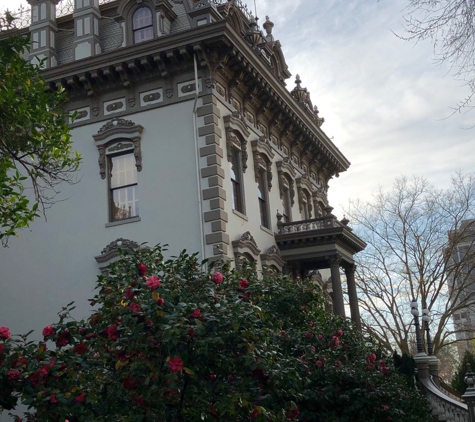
(175, 340)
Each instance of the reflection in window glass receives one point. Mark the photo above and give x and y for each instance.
(142, 25)
(262, 196)
(123, 187)
(236, 178)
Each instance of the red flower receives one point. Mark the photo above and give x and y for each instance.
(44, 371)
(129, 294)
(130, 383)
(243, 284)
(339, 333)
(142, 269)
(53, 399)
(196, 313)
(91, 335)
(13, 374)
(80, 398)
(2, 349)
(371, 357)
(319, 363)
(217, 278)
(338, 363)
(113, 332)
(160, 301)
(254, 414)
(213, 411)
(153, 283)
(48, 331)
(80, 349)
(63, 338)
(140, 401)
(4, 333)
(292, 414)
(134, 307)
(385, 370)
(191, 332)
(175, 364)
(212, 377)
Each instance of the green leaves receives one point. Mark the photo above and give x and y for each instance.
(35, 143)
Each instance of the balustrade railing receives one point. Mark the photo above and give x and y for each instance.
(443, 407)
(239, 3)
(307, 225)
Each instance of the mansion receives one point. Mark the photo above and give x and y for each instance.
(190, 137)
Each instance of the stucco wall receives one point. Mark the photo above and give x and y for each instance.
(52, 262)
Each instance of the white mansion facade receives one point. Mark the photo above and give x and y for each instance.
(189, 137)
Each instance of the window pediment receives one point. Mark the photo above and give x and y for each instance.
(118, 135)
(286, 171)
(246, 245)
(272, 259)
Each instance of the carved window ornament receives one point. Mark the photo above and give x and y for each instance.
(263, 155)
(245, 247)
(286, 174)
(118, 135)
(237, 133)
(272, 260)
(304, 193)
(111, 252)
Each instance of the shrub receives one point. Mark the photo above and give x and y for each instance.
(175, 341)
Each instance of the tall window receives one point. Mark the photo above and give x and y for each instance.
(286, 205)
(142, 25)
(262, 197)
(123, 187)
(307, 210)
(236, 181)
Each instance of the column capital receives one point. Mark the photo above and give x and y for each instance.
(350, 268)
(334, 259)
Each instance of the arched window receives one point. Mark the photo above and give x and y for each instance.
(142, 25)
(286, 198)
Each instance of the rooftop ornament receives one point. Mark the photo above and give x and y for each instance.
(303, 98)
(254, 35)
(268, 25)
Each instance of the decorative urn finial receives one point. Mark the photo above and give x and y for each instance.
(253, 36)
(268, 25)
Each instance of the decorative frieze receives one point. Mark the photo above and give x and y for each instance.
(114, 106)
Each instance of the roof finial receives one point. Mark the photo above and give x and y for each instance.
(268, 25)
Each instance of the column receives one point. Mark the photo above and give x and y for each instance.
(350, 281)
(86, 28)
(43, 31)
(338, 304)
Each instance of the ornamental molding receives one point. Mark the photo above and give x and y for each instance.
(272, 258)
(246, 244)
(112, 249)
(117, 135)
(235, 140)
(303, 183)
(285, 169)
(263, 155)
(237, 122)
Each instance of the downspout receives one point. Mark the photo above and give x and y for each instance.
(197, 155)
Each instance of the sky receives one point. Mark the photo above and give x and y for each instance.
(387, 104)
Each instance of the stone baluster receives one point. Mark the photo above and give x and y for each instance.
(86, 28)
(43, 31)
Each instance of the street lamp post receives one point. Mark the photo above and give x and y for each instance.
(415, 313)
(421, 358)
(426, 319)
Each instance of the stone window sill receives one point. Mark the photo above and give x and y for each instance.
(126, 221)
(265, 229)
(244, 217)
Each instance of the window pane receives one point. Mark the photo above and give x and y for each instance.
(141, 35)
(123, 171)
(124, 203)
(142, 18)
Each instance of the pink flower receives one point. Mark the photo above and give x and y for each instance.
(385, 370)
(4, 333)
(371, 357)
(338, 363)
(243, 284)
(339, 333)
(113, 332)
(80, 398)
(129, 294)
(13, 374)
(48, 331)
(63, 338)
(292, 414)
(139, 400)
(217, 278)
(385, 407)
(196, 313)
(160, 301)
(175, 364)
(254, 414)
(319, 363)
(134, 307)
(53, 399)
(142, 269)
(153, 283)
